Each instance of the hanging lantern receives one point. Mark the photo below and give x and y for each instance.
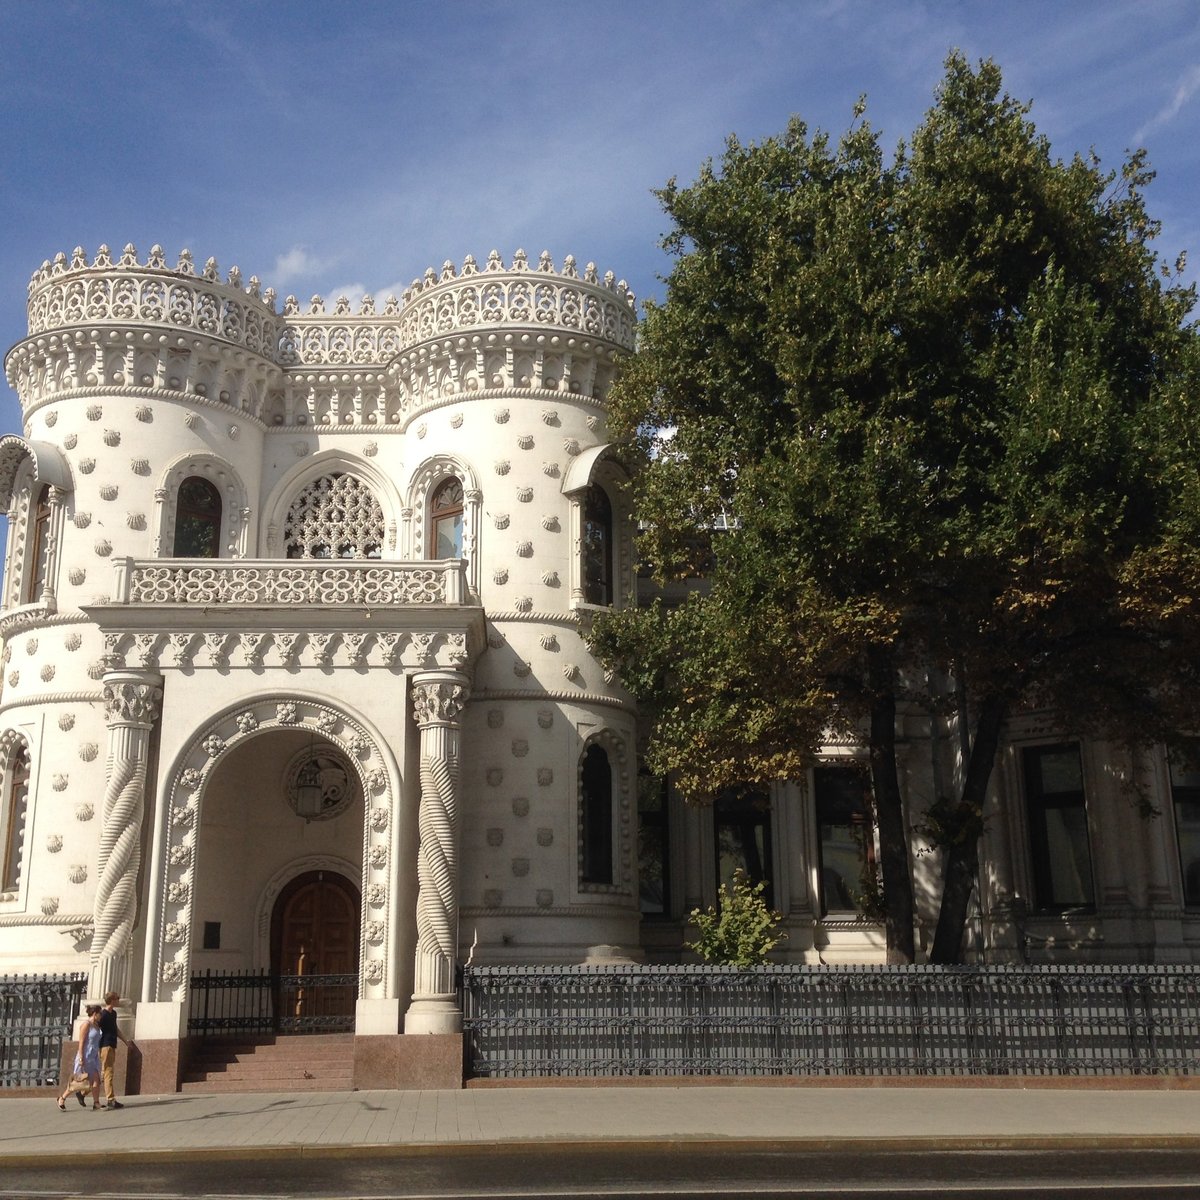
(310, 795)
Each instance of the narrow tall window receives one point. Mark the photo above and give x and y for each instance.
(1185, 794)
(742, 825)
(654, 859)
(198, 519)
(597, 816)
(845, 836)
(446, 520)
(16, 803)
(597, 547)
(1058, 828)
(39, 547)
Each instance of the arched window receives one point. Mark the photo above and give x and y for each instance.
(39, 547)
(446, 520)
(597, 547)
(16, 803)
(596, 817)
(336, 516)
(198, 519)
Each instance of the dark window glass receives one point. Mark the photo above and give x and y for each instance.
(654, 876)
(212, 935)
(742, 828)
(597, 816)
(14, 829)
(1185, 793)
(198, 519)
(446, 520)
(1058, 828)
(39, 547)
(597, 547)
(845, 836)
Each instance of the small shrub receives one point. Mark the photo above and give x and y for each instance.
(741, 931)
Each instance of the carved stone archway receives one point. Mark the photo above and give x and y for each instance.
(169, 944)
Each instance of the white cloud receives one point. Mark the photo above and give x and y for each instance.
(296, 263)
(1186, 89)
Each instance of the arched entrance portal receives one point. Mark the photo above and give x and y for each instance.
(314, 953)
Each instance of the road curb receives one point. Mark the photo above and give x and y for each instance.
(956, 1143)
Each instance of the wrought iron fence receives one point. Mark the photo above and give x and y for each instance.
(797, 1020)
(228, 1002)
(36, 1012)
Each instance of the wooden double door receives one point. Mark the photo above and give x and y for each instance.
(314, 935)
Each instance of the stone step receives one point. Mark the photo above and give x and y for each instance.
(273, 1064)
(257, 1085)
(276, 1054)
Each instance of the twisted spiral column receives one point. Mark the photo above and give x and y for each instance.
(438, 700)
(132, 702)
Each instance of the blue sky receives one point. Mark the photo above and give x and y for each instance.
(339, 147)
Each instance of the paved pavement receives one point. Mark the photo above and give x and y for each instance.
(172, 1127)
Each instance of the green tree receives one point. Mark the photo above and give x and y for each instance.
(947, 407)
(742, 930)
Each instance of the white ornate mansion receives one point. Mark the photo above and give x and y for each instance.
(295, 676)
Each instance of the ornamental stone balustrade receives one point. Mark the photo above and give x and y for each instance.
(267, 582)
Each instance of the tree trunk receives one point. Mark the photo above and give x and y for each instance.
(962, 856)
(889, 811)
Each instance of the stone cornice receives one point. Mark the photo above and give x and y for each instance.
(561, 697)
(53, 698)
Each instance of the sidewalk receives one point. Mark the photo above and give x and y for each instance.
(389, 1122)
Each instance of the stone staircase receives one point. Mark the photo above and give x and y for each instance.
(322, 1062)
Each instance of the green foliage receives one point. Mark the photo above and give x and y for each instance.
(947, 404)
(741, 931)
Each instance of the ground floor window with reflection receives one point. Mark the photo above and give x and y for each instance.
(742, 829)
(845, 837)
(654, 861)
(1058, 828)
(1185, 796)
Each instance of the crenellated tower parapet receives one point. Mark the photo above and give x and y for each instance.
(138, 329)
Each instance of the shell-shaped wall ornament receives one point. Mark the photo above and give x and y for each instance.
(500, 520)
(422, 430)
(545, 776)
(495, 776)
(87, 466)
(495, 837)
(112, 437)
(523, 604)
(76, 576)
(520, 806)
(136, 520)
(549, 416)
(570, 670)
(82, 520)
(524, 549)
(70, 441)
(502, 415)
(550, 523)
(66, 721)
(549, 641)
(84, 811)
(60, 781)
(545, 718)
(31, 646)
(525, 494)
(525, 441)
(88, 751)
(14, 677)
(521, 669)
(93, 412)
(544, 898)
(371, 449)
(54, 843)
(503, 466)
(104, 547)
(545, 836)
(109, 491)
(520, 867)
(143, 413)
(51, 419)
(140, 466)
(495, 718)
(96, 669)
(550, 469)
(191, 419)
(492, 897)
(456, 420)
(572, 446)
(500, 575)
(47, 672)
(77, 872)
(49, 905)
(550, 578)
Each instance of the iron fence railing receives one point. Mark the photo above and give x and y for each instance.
(799, 1020)
(231, 1002)
(36, 1012)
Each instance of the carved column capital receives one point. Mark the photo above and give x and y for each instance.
(132, 698)
(439, 698)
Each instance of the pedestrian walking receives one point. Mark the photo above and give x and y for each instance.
(85, 1072)
(109, 1035)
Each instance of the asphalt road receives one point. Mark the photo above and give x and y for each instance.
(679, 1171)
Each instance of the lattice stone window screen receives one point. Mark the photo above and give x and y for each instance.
(336, 516)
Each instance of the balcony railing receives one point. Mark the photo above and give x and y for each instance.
(35, 1019)
(285, 583)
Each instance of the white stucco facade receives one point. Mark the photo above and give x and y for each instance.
(402, 551)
